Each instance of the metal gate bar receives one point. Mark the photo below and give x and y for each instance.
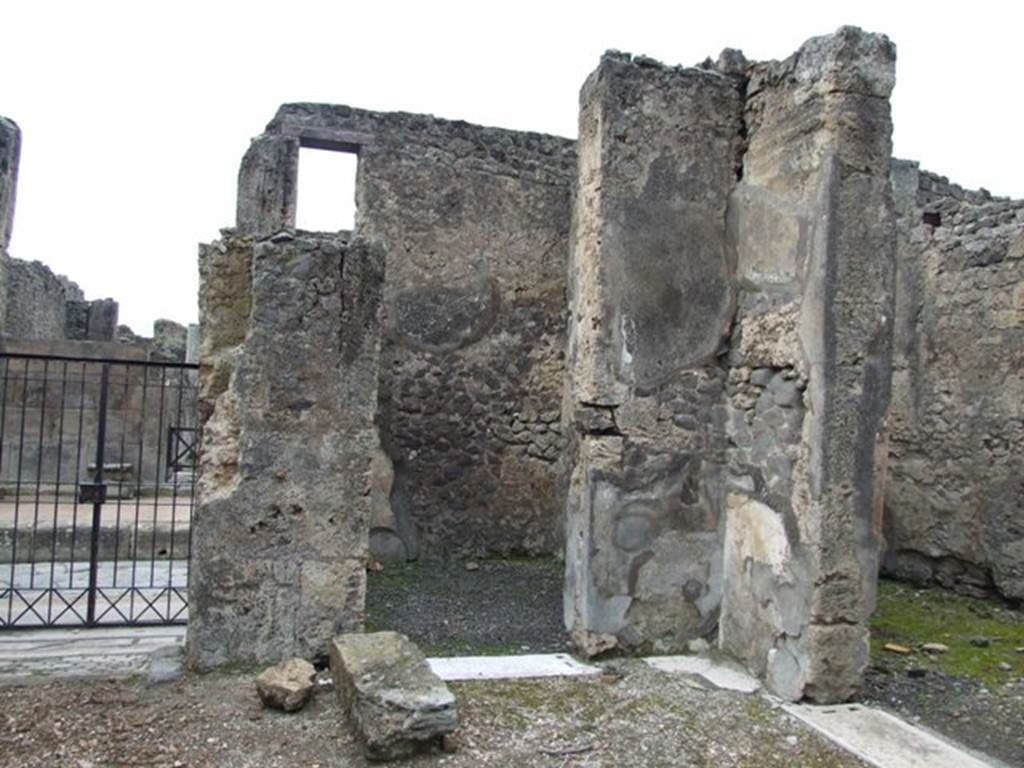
(126, 563)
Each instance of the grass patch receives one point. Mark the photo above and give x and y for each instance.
(912, 616)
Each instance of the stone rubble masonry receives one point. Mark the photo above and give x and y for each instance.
(290, 343)
(474, 222)
(955, 495)
(813, 226)
(651, 300)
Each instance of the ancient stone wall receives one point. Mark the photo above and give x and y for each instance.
(288, 394)
(475, 223)
(954, 502)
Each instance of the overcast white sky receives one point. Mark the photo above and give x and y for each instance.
(135, 115)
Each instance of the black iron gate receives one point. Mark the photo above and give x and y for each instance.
(97, 480)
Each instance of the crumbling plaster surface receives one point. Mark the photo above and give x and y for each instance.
(288, 393)
(474, 222)
(954, 503)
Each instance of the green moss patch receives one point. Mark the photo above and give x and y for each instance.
(982, 635)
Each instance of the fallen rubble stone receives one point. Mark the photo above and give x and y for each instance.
(902, 650)
(286, 686)
(393, 700)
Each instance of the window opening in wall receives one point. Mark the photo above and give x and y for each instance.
(932, 218)
(326, 193)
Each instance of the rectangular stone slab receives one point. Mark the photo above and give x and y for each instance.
(393, 700)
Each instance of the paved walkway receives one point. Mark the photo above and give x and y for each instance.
(113, 652)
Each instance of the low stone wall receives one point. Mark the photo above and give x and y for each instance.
(954, 502)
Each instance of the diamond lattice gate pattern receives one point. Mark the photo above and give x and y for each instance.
(97, 473)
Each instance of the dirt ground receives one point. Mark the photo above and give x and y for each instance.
(631, 716)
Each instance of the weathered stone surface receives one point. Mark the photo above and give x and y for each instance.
(954, 503)
(393, 700)
(286, 686)
(267, 182)
(651, 301)
(91, 320)
(288, 393)
(718, 443)
(10, 153)
(812, 223)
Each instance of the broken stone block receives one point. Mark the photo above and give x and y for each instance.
(286, 686)
(395, 703)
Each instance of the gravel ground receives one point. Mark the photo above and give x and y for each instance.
(500, 606)
(631, 716)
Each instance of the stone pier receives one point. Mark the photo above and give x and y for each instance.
(813, 226)
(651, 303)
(732, 303)
(290, 341)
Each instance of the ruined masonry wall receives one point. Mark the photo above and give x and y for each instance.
(288, 394)
(475, 223)
(954, 502)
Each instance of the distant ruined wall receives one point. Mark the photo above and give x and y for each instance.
(954, 502)
(36, 305)
(731, 301)
(475, 223)
(10, 152)
(56, 405)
